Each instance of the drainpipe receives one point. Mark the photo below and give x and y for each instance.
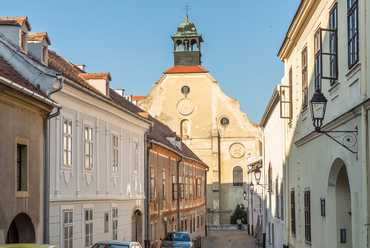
(47, 165)
(147, 189)
(205, 199)
(178, 194)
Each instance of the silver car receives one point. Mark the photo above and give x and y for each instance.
(116, 244)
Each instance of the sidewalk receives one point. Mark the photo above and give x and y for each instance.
(226, 239)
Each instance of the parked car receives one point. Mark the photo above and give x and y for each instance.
(16, 245)
(116, 244)
(177, 239)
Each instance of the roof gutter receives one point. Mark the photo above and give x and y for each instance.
(28, 92)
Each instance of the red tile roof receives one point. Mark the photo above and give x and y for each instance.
(185, 69)
(102, 75)
(136, 98)
(39, 37)
(19, 20)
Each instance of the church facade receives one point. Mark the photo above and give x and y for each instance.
(191, 103)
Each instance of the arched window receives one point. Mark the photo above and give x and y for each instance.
(185, 129)
(238, 176)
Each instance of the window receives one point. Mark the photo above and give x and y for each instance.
(22, 173)
(199, 187)
(44, 54)
(185, 90)
(23, 41)
(67, 142)
(88, 147)
(164, 184)
(186, 224)
(191, 225)
(269, 233)
(115, 153)
(174, 187)
(237, 176)
(286, 102)
(88, 227)
(292, 211)
(186, 188)
(190, 187)
(198, 221)
(307, 216)
(333, 25)
(352, 23)
(224, 121)
(304, 79)
(272, 235)
(67, 229)
(136, 153)
(115, 223)
(317, 51)
(152, 183)
(281, 200)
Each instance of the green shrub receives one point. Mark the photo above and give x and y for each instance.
(239, 213)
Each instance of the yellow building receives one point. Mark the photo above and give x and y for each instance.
(190, 102)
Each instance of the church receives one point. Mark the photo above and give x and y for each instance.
(191, 103)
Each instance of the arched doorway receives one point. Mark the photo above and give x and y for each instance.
(137, 227)
(21, 230)
(339, 199)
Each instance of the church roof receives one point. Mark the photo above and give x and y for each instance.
(185, 69)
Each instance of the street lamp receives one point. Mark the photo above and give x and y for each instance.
(245, 195)
(257, 176)
(347, 139)
(318, 107)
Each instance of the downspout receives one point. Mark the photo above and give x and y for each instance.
(205, 199)
(263, 197)
(147, 189)
(47, 165)
(364, 124)
(178, 193)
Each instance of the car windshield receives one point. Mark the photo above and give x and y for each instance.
(180, 237)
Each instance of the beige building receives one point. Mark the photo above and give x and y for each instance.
(191, 103)
(325, 52)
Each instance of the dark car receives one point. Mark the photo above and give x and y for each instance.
(177, 239)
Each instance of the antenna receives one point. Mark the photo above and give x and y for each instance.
(187, 8)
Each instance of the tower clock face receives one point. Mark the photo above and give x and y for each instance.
(185, 90)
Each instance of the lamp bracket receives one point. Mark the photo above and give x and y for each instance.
(269, 188)
(347, 139)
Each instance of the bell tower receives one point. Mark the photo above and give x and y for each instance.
(187, 45)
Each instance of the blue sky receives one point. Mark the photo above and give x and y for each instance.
(131, 40)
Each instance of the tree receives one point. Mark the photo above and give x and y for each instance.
(239, 213)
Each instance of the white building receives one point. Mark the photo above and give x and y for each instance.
(325, 51)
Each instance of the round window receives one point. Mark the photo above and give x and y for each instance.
(224, 121)
(185, 90)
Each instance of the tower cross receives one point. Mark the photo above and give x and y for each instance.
(187, 8)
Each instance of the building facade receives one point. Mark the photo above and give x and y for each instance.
(24, 112)
(177, 182)
(191, 103)
(325, 52)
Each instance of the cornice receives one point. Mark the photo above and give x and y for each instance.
(273, 101)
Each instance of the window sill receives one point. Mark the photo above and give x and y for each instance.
(308, 243)
(22, 194)
(353, 70)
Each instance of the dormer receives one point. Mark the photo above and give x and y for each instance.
(38, 46)
(16, 29)
(175, 141)
(99, 81)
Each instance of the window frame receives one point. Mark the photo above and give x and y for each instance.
(304, 78)
(67, 225)
(115, 152)
(88, 142)
(115, 223)
(88, 221)
(238, 176)
(21, 176)
(352, 40)
(152, 184)
(292, 213)
(67, 142)
(307, 215)
(333, 44)
(164, 184)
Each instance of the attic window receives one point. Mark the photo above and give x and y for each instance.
(44, 54)
(23, 41)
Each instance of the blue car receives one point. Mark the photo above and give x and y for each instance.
(177, 239)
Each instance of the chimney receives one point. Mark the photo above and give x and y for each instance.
(120, 92)
(16, 29)
(99, 81)
(38, 44)
(81, 66)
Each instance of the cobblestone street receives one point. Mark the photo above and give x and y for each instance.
(226, 239)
